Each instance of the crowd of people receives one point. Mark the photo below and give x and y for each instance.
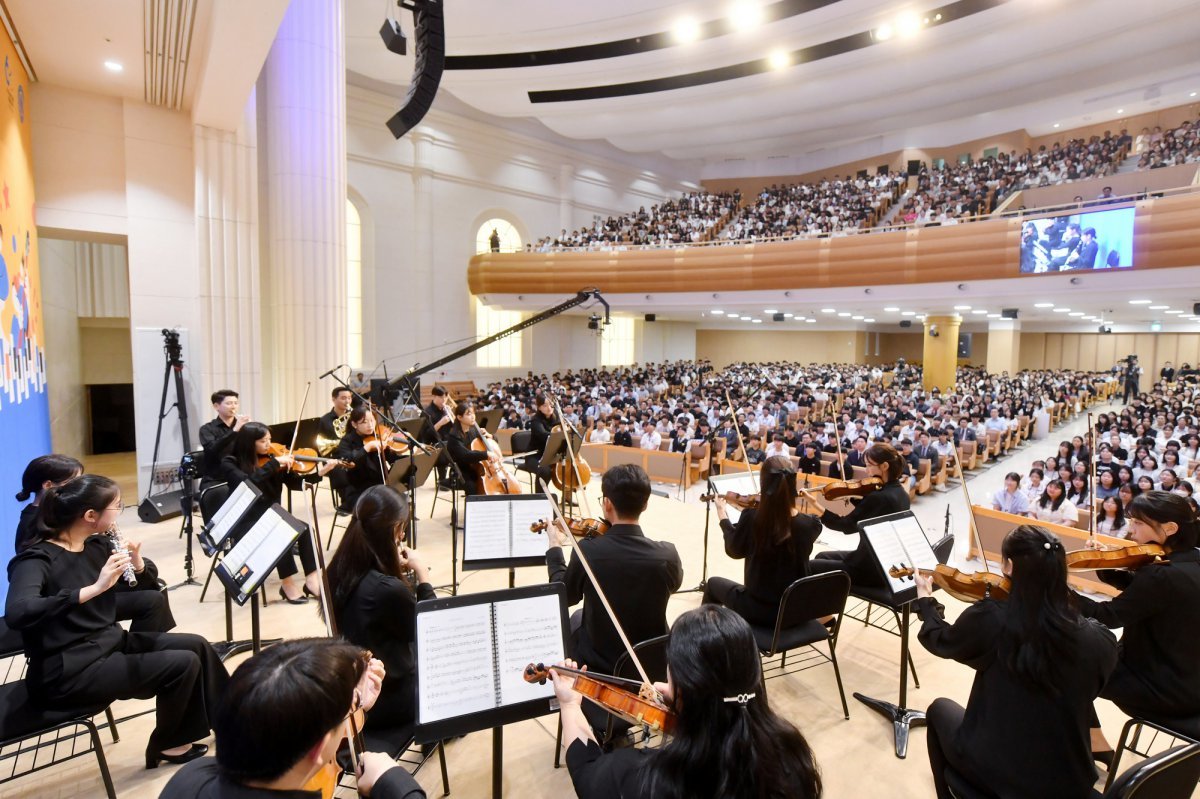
(815, 209)
(692, 218)
(1180, 145)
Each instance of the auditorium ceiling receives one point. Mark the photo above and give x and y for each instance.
(988, 66)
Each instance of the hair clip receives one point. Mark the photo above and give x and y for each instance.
(1048, 545)
(741, 699)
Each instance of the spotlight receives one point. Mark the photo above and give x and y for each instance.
(686, 31)
(883, 32)
(745, 15)
(114, 66)
(594, 322)
(779, 59)
(393, 37)
(908, 24)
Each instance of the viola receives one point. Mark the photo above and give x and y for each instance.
(742, 501)
(845, 489)
(961, 585)
(644, 707)
(1131, 557)
(580, 528)
(386, 437)
(305, 460)
(326, 778)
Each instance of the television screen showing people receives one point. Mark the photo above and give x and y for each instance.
(1097, 240)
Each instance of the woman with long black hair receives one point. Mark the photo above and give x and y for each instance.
(61, 599)
(776, 542)
(727, 743)
(1039, 666)
(42, 473)
(1158, 610)
(372, 601)
(251, 444)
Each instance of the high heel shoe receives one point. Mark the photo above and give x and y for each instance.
(300, 600)
(197, 750)
(309, 592)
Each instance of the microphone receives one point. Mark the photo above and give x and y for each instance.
(331, 371)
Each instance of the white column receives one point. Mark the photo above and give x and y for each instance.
(423, 273)
(304, 88)
(228, 251)
(566, 197)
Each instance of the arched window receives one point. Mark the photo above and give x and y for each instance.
(616, 342)
(354, 337)
(506, 238)
(507, 351)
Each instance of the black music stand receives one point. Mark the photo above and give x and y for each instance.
(408, 473)
(555, 453)
(489, 420)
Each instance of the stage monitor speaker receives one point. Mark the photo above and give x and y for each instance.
(430, 34)
(914, 167)
(160, 507)
(905, 323)
(1008, 313)
(651, 317)
(393, 37)
(777, 317)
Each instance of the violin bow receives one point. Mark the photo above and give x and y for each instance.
(296, 429)
(962, 478)
(587, 567)
(567, 430)
(1092, 455)
(741, 443)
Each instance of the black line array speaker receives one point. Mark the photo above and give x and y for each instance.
(905, 323)
(651, 317)
(430, 35)
(160, 507)
(1008, 313)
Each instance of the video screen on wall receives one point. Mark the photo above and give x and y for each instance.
(1076, 242)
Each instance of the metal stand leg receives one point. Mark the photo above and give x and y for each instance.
(903, 719)
(497, 762)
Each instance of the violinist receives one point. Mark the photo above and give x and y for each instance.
(62, 599)
(727, 741)
(458, 444)
(372, 602)
(284, 715)
(216, 436)
(252, 447)
(885, 463)
(637, 574)
(333, 425)
(369, 455)
(776, 542)
(1039, 665)
(1158, 674)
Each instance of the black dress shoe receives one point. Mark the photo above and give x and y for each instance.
(197, 750)
(300, 600)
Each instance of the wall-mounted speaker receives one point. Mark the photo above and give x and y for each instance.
(393, 37)
(964, 345)
(1196, 309)
(777, 317)
(1008, 313)
(430, 34)
(651, 317)
(905, 323)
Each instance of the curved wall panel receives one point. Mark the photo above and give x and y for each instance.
(1165, 235)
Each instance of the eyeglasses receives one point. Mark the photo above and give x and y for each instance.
(120, 506)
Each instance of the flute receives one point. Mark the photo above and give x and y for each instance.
(130, 574)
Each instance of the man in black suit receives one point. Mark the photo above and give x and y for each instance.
(433, 433)
(857, 456)
(216, 436)
(636, 574)
(925, 450)
(1084, 256)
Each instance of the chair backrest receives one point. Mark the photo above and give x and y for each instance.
(520, 440)
(811, 598)
(653, 655)
(1168, 775)
(212, 498)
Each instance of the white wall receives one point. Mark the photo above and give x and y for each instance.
(665, 341)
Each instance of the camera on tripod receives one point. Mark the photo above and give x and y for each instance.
(189, 468)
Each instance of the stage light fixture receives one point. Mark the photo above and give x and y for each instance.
(779, 59)
(746, 15)
(908, 24)
(883, 32)
(686, 31)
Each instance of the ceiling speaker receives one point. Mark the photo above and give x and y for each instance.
(651, 317)
(393, 37)
(777, 317)
(905, 323)
(1008, 313)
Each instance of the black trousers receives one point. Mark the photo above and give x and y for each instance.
(181, 671)
(943, 718)
(1131, 390)
(147, 611)
(723, 591)
(841, 560)
(308, 558)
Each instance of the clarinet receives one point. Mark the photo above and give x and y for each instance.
(118, 542)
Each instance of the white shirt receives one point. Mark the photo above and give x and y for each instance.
(778, 448)
(1067, 514)
(600, 436)
(651, 441)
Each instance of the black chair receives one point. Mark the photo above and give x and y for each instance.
(1168, 775)
(33, 731)
(521, 443)
(396, 743)
(796, 626)
(1169, 729)
(339, 513)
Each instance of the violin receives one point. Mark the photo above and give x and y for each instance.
(304, 460)
(642, 708)
(845, 489)
(741, 501)
(1131, 557)
(326, 778)
(387, 439)
(961, 585)
(580, 528)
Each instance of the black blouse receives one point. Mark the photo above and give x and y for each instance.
(1022, 741)
(381, 615)
(62, 636)
(268, 478)
(768, 574)
(27, 527)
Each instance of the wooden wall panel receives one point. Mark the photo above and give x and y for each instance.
(1164, 237)
(1033, 351)
(1087, 352)
(1106, 351)
(1166, 348)
(1070, 351)
(1054, 348)
(1188, 350)
(1124, 345)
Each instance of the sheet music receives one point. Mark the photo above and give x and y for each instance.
(739, 482)
(234, 507)
(454, 648)
(527, 631)
(524, 513)
(486, 531)
(251, 560)
(900, 543)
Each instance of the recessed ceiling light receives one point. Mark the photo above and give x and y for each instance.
(1062, 310)
(1075, 313)
(844, 313)
(744, 318)
(745, 15)
(979, 310)
(1120, 110)
(891, 309)
(1174, 311)
(883, 32)
(937, 17)
(758, 321)
(779, 59)
(869, 319)
(1043, 305)
(962, 307)
(1140, 302)
(993, 316)
(1159, 307)
(788, 316)
(857, 318)
(114, 66)
(1193, 94)
(770, 310)
(810, 321)
(921, 316)
(908, 313)
(686, 31)
(1056, 124)
(829, 310)
(717, 312)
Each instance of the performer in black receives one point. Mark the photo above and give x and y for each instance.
(62, 599)
(885, 463)
(458, 444)
(637, 574)
(332, 426)
(373, 602)
(1132, 378)
(540, 427)
(776, 542)
(216, 436)
(1039, 666)
(369, 458)
(435, 432)
(1158, 674)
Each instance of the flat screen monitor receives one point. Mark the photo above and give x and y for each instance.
(1078, 242)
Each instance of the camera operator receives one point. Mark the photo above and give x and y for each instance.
(1132, 378)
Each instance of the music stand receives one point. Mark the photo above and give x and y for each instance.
(489, 420)
(409, 472)
(555, 452)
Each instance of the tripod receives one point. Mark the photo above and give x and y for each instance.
(188, 473)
